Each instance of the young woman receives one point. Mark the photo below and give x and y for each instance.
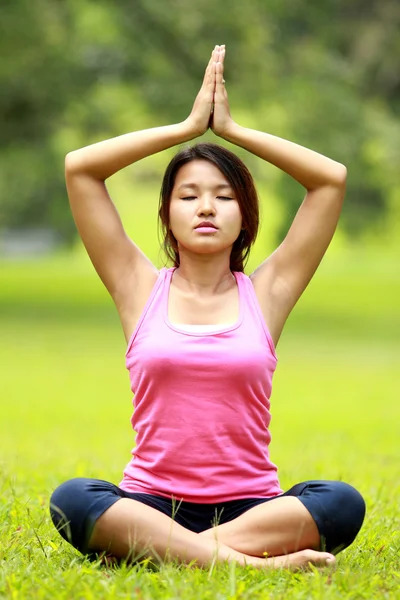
(201, 352)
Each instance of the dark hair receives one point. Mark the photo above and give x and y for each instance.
(242, 184)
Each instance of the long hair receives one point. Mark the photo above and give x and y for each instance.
(242, 184)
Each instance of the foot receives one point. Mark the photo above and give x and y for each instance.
(301, 560)
(108, 560)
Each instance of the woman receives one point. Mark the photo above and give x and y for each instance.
(201, 353)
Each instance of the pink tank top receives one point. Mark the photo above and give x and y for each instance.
(201, 404)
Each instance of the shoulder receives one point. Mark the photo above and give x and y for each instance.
(273, 296)
(131, 305)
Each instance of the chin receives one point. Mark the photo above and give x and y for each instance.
(206, 247)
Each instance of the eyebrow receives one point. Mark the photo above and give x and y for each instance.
(220, 186)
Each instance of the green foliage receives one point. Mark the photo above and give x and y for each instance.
(324, 74)
(66, 406)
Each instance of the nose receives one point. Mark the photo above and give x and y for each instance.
(206, 206)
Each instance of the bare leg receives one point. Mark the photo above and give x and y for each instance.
(132, 530)
(276, 528)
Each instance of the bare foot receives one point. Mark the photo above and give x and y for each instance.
(294, 562)
(108, 560)
(301, 560)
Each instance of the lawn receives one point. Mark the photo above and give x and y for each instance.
(66, 404)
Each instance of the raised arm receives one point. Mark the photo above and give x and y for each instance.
(118, 261)
(280, 280)
(115, 257)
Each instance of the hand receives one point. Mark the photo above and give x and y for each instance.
(221, 118)
(200, 116)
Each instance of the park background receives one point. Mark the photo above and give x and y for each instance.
(324, 74)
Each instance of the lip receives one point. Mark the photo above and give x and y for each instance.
(206, 229)
(206, 224)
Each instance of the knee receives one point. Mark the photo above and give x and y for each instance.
(347, 514)
(66, 503)
(65, 496)
(351, 505)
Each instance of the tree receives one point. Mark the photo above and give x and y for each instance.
(325, 74)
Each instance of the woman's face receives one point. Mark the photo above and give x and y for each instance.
(202, 193)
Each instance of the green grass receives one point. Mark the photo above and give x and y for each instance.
(66, 404)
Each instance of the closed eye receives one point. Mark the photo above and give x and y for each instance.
(218, 197)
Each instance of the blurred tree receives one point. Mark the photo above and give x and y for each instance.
(37, 81)
(324, 74)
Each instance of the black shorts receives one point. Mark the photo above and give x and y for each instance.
(336, 507)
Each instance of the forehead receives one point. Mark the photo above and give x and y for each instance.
(200, 172)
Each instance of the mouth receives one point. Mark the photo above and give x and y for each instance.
(206, 225)
(206, 229)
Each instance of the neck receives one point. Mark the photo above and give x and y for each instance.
(204, 274)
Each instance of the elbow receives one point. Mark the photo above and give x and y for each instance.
(340, 175)
(71, 163)
(77, 163)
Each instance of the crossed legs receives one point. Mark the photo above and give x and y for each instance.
(129, 529)
(275, 528)
(278, 533)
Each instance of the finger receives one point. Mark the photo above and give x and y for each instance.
(222, 54)
(221, 58)
(209, 67)
(212, 66)
(219, 75)
(208, 88)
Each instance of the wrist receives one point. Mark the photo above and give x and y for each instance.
(192, 128)
(230, 131)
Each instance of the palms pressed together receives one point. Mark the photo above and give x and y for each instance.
(211, 106)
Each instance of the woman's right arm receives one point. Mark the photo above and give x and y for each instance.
(121, 265)
(117, 259)
(106, 158)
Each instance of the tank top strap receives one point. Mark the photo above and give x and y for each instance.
(169, 271)
(253, 304)
(158, 286)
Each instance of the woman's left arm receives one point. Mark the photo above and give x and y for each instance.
(280, 280)
(296, 259)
